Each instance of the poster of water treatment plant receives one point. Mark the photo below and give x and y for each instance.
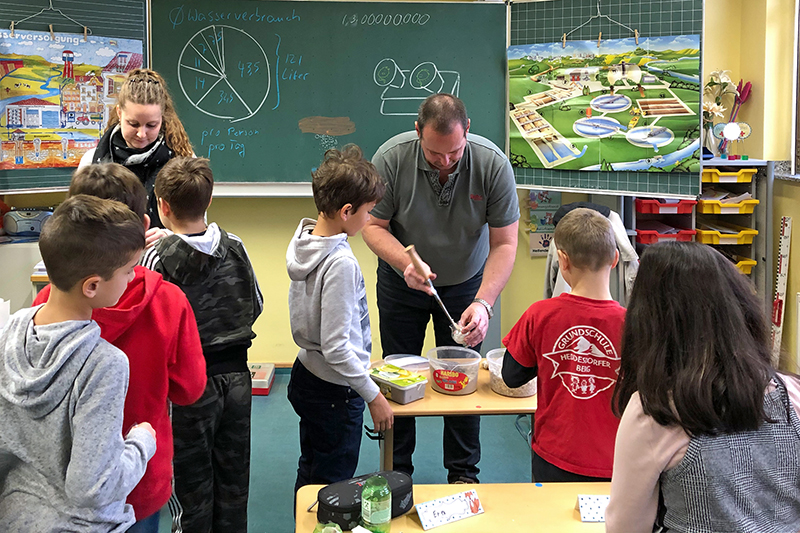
(619, 106)
(56, 94)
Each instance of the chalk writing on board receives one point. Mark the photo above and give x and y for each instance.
(214, 140)
(180, 14)
(288, 67)
(224, 73)
(406, 89)
(387, 19)
(277, 66)
(293, 68)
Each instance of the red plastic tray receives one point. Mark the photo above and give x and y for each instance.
(655, 207)
(649, 236)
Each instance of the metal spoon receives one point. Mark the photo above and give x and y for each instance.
(424, 271)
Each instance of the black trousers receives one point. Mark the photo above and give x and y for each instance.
(544, 471)
(404, 314)
(212, 456)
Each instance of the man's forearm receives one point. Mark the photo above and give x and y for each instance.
(499, 265)
(385, 245)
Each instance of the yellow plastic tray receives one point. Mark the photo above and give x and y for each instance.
(715, 207)
(744, 236)
(746, 265)
(714, 175)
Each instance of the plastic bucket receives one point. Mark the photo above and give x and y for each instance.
(454, 370)
(495, 359)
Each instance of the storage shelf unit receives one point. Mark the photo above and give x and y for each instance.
(651, 213)
(751, 246)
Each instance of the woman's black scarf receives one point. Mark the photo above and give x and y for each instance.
(144, 162)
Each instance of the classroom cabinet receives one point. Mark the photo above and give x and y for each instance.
(725, 213)
(663, 220)
(746, 223)
(740, 230)
(754, 216)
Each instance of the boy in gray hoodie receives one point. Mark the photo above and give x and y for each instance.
(64, 465)
(329, 383)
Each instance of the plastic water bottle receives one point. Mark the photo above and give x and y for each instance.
(376, 505)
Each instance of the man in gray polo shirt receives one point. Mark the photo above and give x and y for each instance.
(452, 195)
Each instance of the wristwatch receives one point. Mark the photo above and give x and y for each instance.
(484, 303)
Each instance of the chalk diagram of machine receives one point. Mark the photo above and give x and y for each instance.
(404, 90)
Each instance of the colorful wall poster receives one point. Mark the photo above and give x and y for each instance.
(57, 93)
(543, 206)
(618, 107)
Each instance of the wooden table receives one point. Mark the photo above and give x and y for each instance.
(508, 508)
(483, 401)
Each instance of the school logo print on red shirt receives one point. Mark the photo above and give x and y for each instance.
(585, 360)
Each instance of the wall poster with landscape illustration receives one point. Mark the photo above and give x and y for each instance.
(56, 94)
(616, 107)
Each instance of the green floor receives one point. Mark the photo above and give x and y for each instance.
(276, 448)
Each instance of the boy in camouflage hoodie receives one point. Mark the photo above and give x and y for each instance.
(212, 436)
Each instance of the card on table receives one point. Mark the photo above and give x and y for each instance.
(449, 509)
(592, 507)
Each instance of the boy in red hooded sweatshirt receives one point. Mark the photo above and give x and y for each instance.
(154, 325)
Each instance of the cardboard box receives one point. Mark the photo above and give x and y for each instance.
(263, 375)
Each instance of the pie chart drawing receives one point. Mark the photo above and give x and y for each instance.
(224, 73)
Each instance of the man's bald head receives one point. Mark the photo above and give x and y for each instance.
(442, 112)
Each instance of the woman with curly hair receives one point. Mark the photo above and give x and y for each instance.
(143, 134)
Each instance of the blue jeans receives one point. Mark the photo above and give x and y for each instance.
(331, 417)
(404, 314)
(146, 525)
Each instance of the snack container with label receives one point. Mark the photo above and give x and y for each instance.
(454, 370)
(398, 384)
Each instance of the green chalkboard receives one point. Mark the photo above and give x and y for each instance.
(264, 88)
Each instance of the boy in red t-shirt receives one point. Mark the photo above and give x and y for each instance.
(154, 325)
(570, 344)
